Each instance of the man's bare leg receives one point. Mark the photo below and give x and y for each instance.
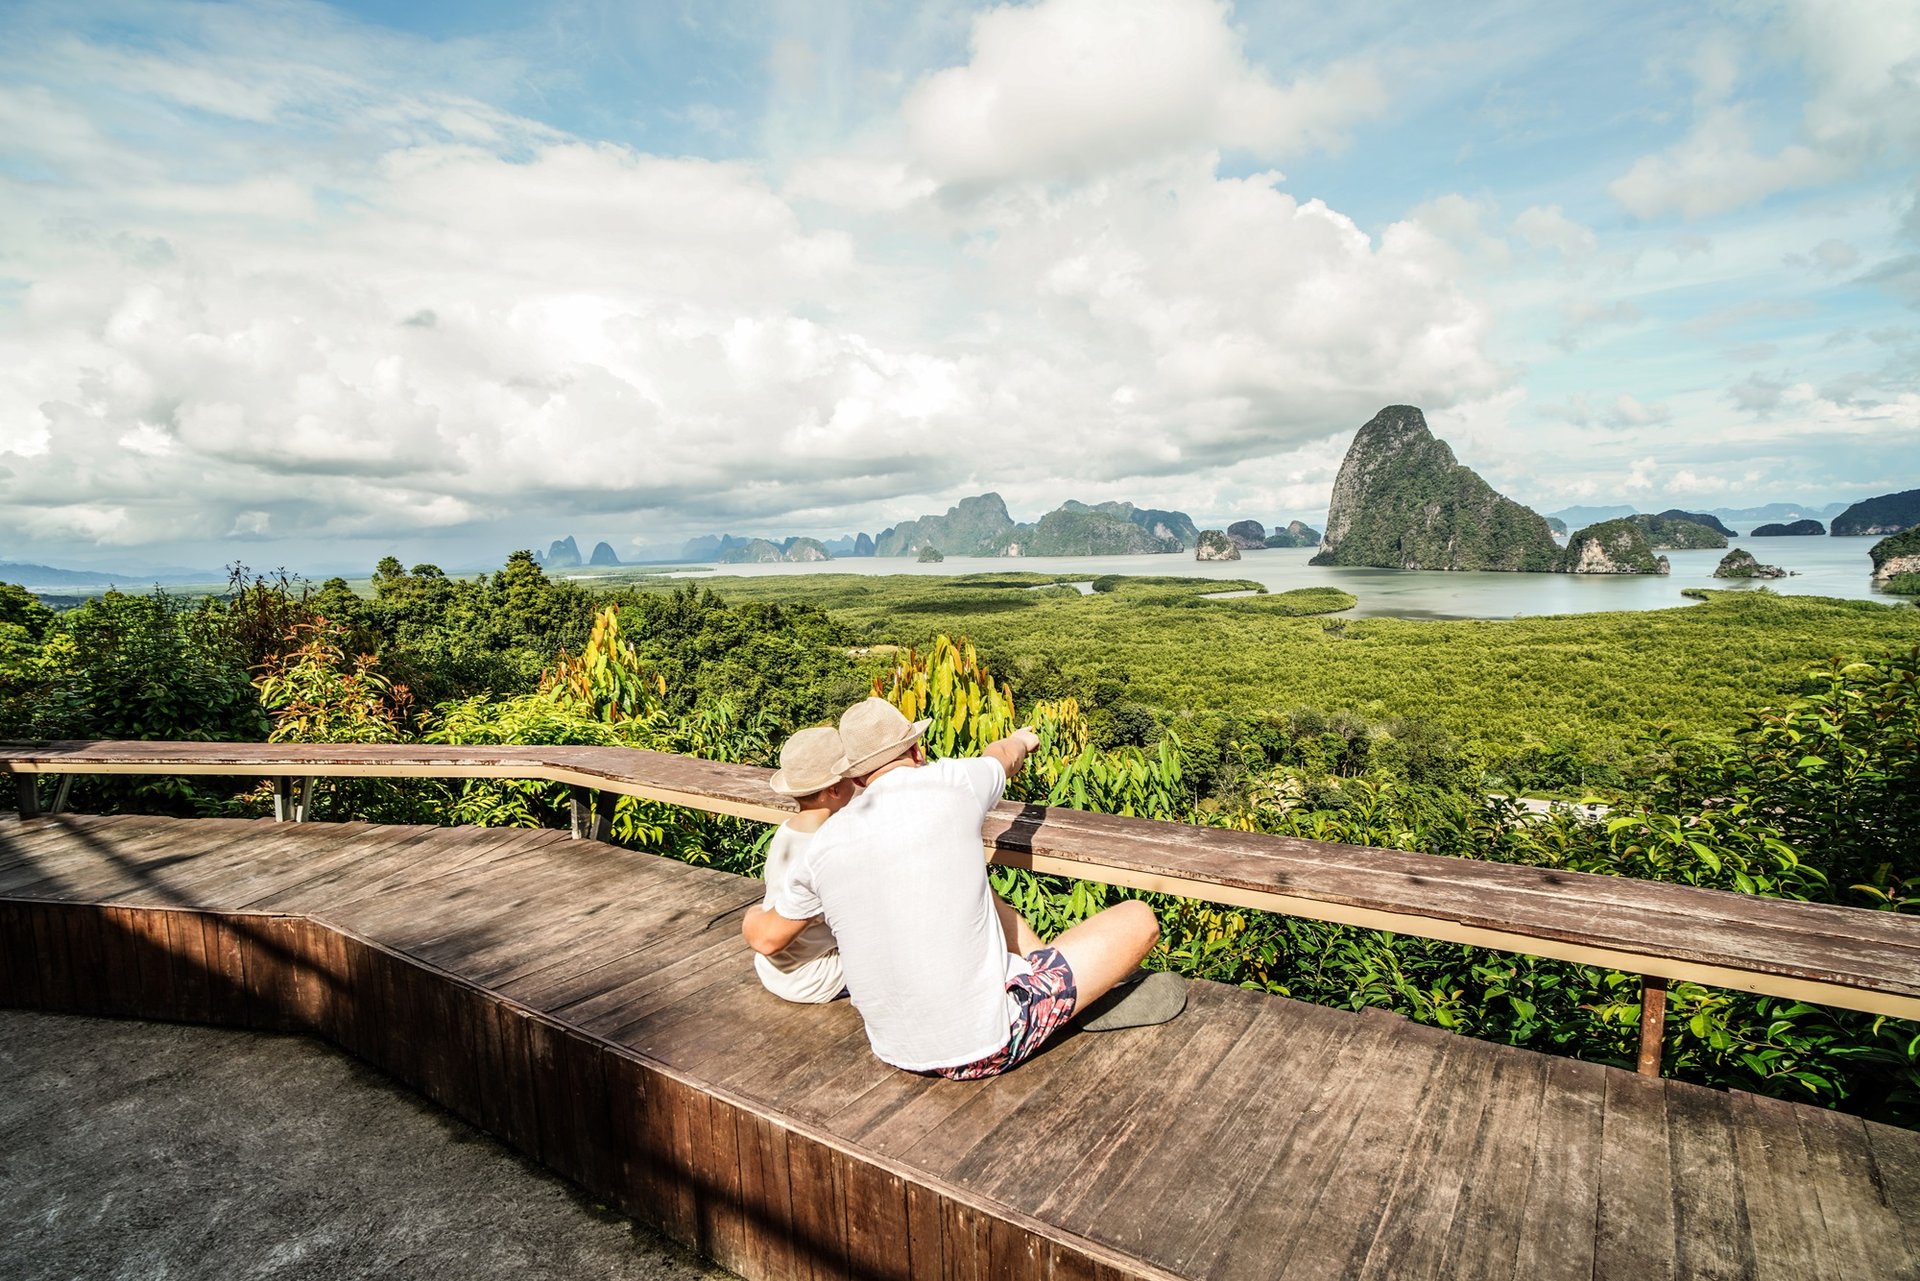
(1107, 947)
(1021, 940)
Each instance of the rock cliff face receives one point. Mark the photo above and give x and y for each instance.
(849, 545)
(805, 550)
(603, 555)
(756, 551)
(1887, 514)
(1798, 529)
(1611, 547)
(1169, 527)
(711, 546)
(1740, 563)
(971, 527)
(563, 554)
(1078, 530)
(1699, 518)
(1213, 544)
(1247, 534)
(1899, 554)
(1402, 501)
(1297, 534)
(1668, 532)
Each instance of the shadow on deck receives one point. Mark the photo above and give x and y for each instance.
(593, 1007)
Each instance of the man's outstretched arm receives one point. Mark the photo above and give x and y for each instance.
(1012, 751)
(767, 931)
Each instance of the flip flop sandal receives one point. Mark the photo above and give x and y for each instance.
(1153, 998)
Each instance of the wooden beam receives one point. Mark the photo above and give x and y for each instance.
(1653, 1025)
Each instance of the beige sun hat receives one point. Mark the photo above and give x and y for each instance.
(810, 761)
(873, 733)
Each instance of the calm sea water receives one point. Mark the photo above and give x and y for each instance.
(1825, 567)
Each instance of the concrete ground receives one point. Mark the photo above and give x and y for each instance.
(150, 1150)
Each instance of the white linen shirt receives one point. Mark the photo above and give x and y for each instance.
(806, 970)
(901, 877)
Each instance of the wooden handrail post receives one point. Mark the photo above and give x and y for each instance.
(292, 799)
(1653, 1024)
(60, 793)
(592, 818)
(27, 786)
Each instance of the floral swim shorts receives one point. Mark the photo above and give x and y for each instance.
(1045, 999)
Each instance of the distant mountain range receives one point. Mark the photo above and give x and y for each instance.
(982, 526)
(1745, 518)
(37, 577)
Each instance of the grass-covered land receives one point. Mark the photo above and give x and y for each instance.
(1575, 687)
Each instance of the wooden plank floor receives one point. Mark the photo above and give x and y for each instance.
(596, 1008)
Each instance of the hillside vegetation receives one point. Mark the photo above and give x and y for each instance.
(1560, 691)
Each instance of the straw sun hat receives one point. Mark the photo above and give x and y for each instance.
(809, 762)
(873, 733)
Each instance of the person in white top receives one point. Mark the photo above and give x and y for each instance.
(948, 978)
(807, 969)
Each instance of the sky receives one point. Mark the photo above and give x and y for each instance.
(305, 284)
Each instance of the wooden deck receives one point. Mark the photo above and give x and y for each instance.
(595, 1008)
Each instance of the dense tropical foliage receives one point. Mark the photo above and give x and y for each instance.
(1754, 744)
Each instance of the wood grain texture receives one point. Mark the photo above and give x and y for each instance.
(595, 1009)
(1849, 957)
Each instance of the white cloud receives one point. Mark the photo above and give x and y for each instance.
(1865, 102)
(1073, 88)
(1581, 318)
(1548, 227)
(437, 331)
(1835, 255)
(1716, 168)
(1626, 411)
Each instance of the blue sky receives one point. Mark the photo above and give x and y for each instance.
(300, 283)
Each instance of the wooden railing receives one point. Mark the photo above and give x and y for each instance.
(1838, 956)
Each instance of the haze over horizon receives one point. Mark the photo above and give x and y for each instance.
(302, 284)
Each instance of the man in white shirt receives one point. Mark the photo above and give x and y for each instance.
(948, 978)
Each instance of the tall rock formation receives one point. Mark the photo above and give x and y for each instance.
(1740, 563)
(971, 527)
(563, 554)
(1296, 534)
(755, 551)
(1076, 529)
(603, 555)
(1402, 501)
(863, 545)
(805, 550)
(1887, 514)
(1699, 518)
(1899, 554)
(1247, 534)
(1168, 526)
(1612, 547)
(1679, 532)
(1215, 545)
